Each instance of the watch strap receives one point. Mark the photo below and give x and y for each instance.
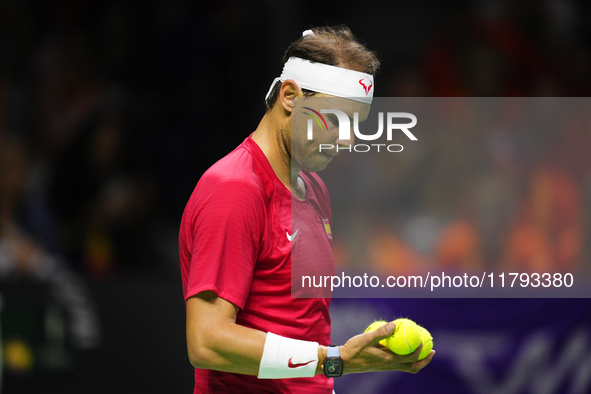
(332, 351)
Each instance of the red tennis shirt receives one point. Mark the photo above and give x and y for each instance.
(236, 239)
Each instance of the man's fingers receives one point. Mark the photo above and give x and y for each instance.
(415, 367)
(383, 332)
(427, 359)
(424, 362)
(414, 356)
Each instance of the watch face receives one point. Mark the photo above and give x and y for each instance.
(333, 368)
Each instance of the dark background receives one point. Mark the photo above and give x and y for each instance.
(110, 112)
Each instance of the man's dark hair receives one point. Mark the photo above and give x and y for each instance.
(335, 46)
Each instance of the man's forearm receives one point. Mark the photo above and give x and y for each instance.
(217, 342)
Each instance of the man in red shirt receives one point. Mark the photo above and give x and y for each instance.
(248, 213)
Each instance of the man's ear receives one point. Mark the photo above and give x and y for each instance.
(288, 92)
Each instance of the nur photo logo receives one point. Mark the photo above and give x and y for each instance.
(344, 123)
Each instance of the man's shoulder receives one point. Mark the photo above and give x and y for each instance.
(241, 166)
(242, 173)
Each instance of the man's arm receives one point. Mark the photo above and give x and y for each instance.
(216, 342)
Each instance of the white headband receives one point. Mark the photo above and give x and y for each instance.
(322, 78)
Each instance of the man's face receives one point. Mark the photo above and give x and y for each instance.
(306, 153)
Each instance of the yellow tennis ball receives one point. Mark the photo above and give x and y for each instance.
(406, 337)
(374, 326)
(427, 340)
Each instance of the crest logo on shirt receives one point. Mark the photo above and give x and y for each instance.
(327, 228)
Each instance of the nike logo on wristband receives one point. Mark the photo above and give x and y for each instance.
(291, 365)
(292, 237)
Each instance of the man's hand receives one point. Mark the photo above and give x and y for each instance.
(364, 353)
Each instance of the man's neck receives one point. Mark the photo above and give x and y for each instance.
(269, 136)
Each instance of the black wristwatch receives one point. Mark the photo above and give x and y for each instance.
(333, 363)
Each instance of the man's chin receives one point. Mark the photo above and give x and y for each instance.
(317, 163)
(315, 167)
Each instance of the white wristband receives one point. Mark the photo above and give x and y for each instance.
(288, 358)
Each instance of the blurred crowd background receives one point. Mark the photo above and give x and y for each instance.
(110, 112)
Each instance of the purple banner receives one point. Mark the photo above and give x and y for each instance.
(484, 346)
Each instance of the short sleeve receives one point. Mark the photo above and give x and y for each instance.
(224, 225)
